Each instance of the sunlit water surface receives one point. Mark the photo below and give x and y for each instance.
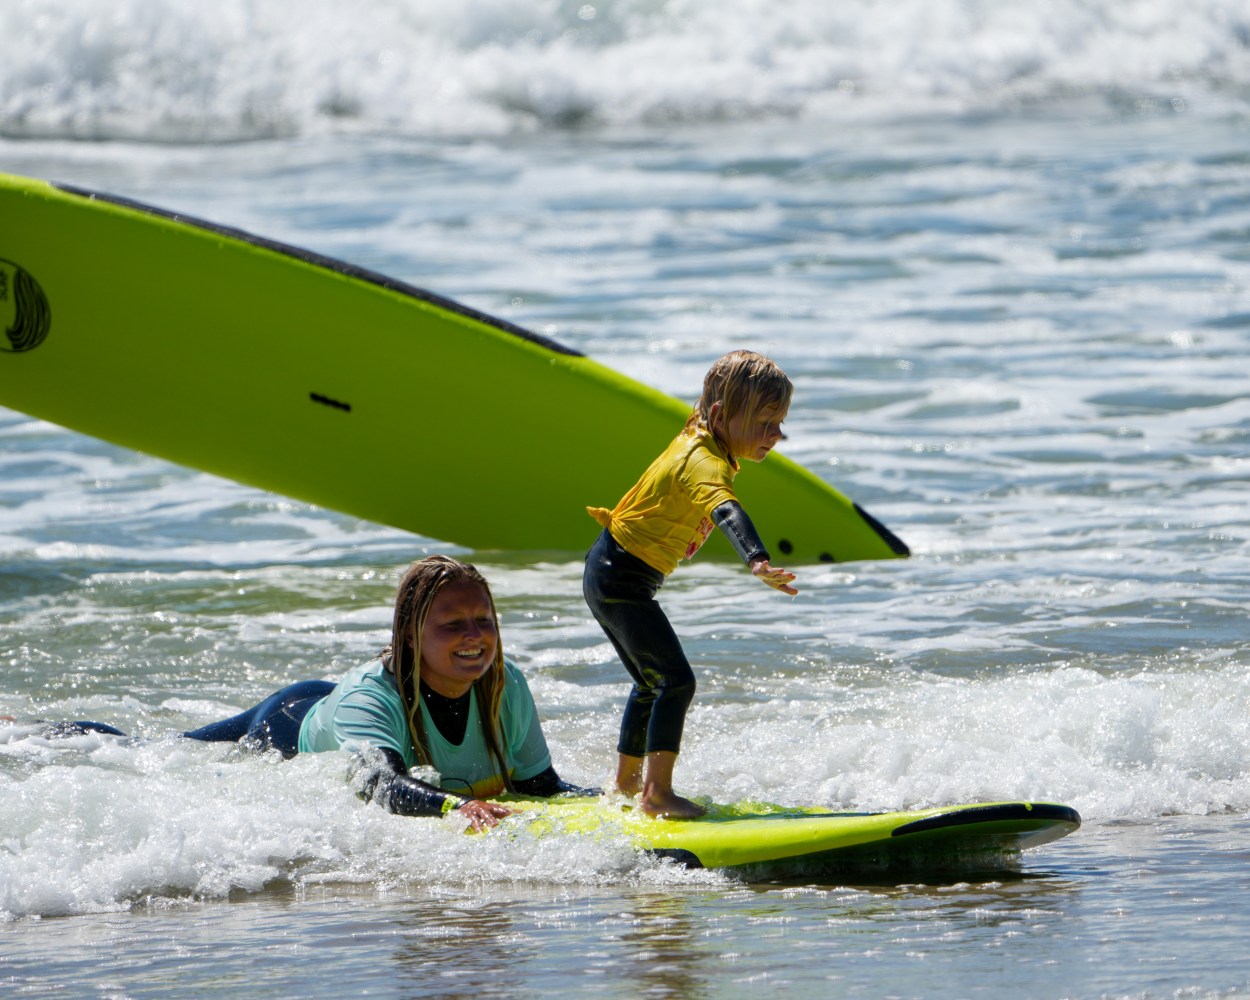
(1017, 328)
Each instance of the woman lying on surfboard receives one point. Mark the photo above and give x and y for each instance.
(441, 695)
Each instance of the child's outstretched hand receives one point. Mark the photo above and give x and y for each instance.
(774, 576)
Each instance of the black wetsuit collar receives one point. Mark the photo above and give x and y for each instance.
(450, 715)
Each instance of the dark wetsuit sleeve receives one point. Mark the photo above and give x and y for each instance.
(548, 783)
(733, 521)
(385, 780)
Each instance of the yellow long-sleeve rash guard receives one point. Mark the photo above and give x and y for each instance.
(667, 515)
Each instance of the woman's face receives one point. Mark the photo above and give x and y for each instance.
(459, 641)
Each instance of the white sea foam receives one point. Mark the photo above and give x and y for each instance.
(93, 823)
(169, 70)
(96, 823)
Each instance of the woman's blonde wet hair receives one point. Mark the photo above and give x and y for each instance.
(421, 583)
(743, 382)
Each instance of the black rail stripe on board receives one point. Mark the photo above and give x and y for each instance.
(991, 814)
(896, 544)
(679, 855)
(329, 263)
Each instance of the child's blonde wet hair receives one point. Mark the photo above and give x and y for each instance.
(421, 583)
(743, 382)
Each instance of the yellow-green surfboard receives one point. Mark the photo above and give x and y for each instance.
(747, 835)
(306, 376)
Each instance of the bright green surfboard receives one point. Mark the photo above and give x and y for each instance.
(312, 378)
(776, 837)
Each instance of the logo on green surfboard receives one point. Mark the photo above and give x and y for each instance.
(25, 316)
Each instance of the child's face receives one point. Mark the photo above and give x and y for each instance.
(753, 438)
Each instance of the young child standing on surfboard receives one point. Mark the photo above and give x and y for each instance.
(666, 517)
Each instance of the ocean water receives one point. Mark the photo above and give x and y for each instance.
(1003, 249)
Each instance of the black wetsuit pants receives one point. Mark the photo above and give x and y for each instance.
(271, 725)
(620, 589)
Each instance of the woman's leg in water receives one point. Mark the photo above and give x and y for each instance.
(78, 728)
(271, 725)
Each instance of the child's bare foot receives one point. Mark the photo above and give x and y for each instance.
(628, 776)
(670, 805)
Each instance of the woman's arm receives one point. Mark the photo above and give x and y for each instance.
(384, 779)
(547, 783)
